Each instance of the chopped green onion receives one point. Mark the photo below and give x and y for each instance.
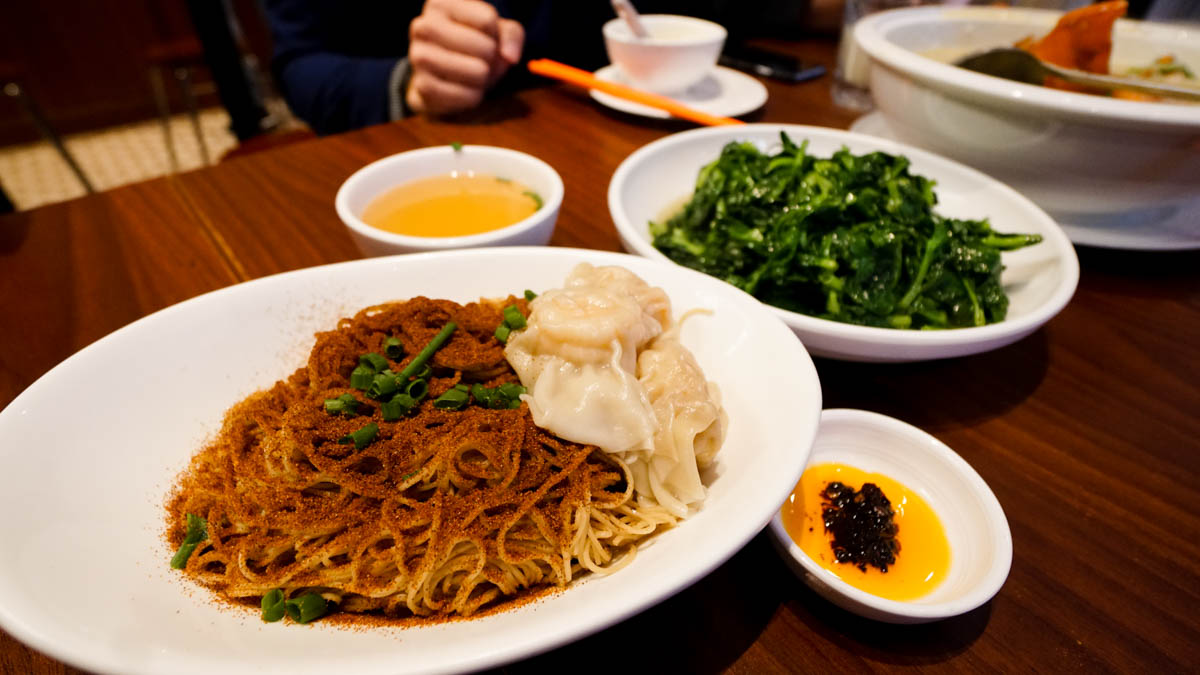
(503, 180)
(361, 438)
(455, 399)
(514, 404)
(362, 377)
(418, 389)
(393, 349)
(374, 361)
(425, 373)
(511, 390)
(306, 608)
(273, 607)
(502, 332)
(197, 531)
(457, 146)
(537, 199)
(481, 394)
(514, 318)
(427, 353)
(462, 387)
(382, 386)
(397, 407)
(529, 295)
(345, 404)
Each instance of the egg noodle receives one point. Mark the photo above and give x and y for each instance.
(444, 512)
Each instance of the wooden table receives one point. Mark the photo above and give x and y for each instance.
(1088, 431)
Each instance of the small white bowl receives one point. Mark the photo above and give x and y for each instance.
(980, 541)
(378, 177)
(1073, 154)
(659, 177)
(680, 51)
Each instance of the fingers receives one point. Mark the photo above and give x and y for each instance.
(438, 28)
(449, 65)
(471, 13)
(512, 40)
(459, 48)
(431, 95)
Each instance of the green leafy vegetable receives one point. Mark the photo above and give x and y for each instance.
(851, 238)
(197, 531)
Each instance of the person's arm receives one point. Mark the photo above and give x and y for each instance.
(335, 65)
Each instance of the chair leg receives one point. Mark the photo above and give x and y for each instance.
(164, 113)
(15, 90)
(184, 77)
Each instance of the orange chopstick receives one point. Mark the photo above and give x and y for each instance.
(561, 71)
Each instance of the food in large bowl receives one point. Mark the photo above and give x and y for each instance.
(1071, 153)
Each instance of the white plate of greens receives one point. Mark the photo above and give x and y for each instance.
(900, 256)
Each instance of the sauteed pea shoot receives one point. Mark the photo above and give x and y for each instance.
(851, 238)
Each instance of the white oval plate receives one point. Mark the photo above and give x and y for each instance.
(90, 450)
(726, 92)
(660, 176)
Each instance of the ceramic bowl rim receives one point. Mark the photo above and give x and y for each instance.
(550, 202)
(871, 35)
(1000, 533)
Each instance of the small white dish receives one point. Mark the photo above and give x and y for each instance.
(724, 92)
(84, 575)
(1164, 228)
(974, 522)
(382, 175)
(1040, 280)
(678, 52)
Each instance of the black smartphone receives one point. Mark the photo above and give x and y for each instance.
(769, 64)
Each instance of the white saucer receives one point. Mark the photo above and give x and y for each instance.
(725, 92)
(1170, 228)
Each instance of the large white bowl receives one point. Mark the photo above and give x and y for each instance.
(974, 523)
(380, 176)
(1073, 154)
(1040, 279)
(89, 452)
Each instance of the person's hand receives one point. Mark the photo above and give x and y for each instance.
(457, 50)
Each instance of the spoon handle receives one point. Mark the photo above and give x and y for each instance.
(625, 10)
(1111, 82)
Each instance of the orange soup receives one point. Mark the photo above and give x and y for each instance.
(924, 556)
(452, 205)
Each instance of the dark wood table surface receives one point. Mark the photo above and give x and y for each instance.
(1088, 431)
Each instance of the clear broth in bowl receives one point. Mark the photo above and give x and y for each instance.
(451, 205)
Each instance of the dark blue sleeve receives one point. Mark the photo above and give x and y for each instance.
(334, 58)
(335, 92)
